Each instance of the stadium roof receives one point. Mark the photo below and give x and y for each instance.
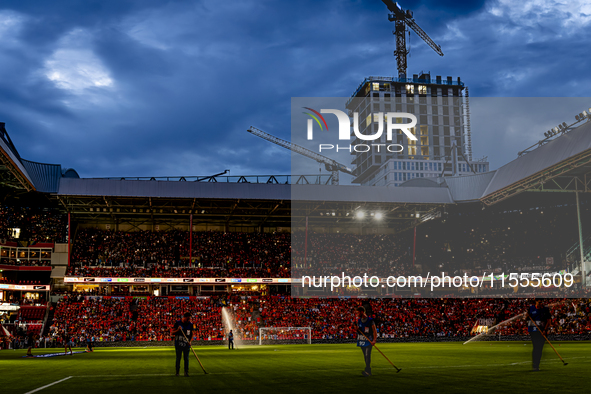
(12, 172)
(561, 164)
(170, 189)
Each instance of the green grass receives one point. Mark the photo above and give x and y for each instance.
(490, 367)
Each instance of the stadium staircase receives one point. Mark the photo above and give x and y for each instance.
(573, 256)
(48, 321)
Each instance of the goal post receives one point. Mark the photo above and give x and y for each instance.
(285, 335)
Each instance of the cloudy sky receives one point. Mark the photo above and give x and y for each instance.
(157, 88)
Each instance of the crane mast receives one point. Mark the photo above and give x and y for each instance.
(403, 18)
(331, 165)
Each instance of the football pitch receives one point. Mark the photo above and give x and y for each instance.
(492, 367)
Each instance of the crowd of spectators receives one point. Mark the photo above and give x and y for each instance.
(166, 254)
(150, 318)
(36, 225)
(134, 319)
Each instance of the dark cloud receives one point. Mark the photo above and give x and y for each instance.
(142, 88)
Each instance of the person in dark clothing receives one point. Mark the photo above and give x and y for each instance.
(540, 314)
(230, 340)
(67, 343)
(89, 343)
(31, 343)
(183, 334)
(366, 329)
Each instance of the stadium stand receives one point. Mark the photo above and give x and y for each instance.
(134, 319)
(148, 319)
(36, 225)
(165, 254)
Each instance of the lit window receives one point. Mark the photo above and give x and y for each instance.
(424, 130)
(410, 89)
(368, 120)
(15, 232)
(422, 89)
(375, 86)
(424, 140)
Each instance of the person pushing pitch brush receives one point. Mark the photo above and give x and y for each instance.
(538, 321)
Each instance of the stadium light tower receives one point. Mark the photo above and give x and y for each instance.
(330, 164)
(404, 18)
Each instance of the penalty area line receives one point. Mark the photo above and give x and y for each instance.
(48, 385)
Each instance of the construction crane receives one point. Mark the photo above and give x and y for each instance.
(404, 18)
(331, 165)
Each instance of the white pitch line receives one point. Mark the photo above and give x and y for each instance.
(122, 376)
(50, 384)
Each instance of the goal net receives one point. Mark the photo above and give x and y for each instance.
(285, 335)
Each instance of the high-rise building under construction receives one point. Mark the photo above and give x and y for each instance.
(443, 145)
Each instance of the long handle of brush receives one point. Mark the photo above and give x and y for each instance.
(549, 343)
(378, 349)
(199, 361)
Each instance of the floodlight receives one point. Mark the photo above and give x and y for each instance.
(360, 214)
(379, 216)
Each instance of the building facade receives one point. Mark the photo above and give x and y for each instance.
(442, 147)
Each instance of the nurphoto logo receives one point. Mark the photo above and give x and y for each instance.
(392, 120)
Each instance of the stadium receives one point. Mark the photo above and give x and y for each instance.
(119, 260)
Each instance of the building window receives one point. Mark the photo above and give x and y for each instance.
(410, 89)
(375, 86)
(422, 89)
(424, 130)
